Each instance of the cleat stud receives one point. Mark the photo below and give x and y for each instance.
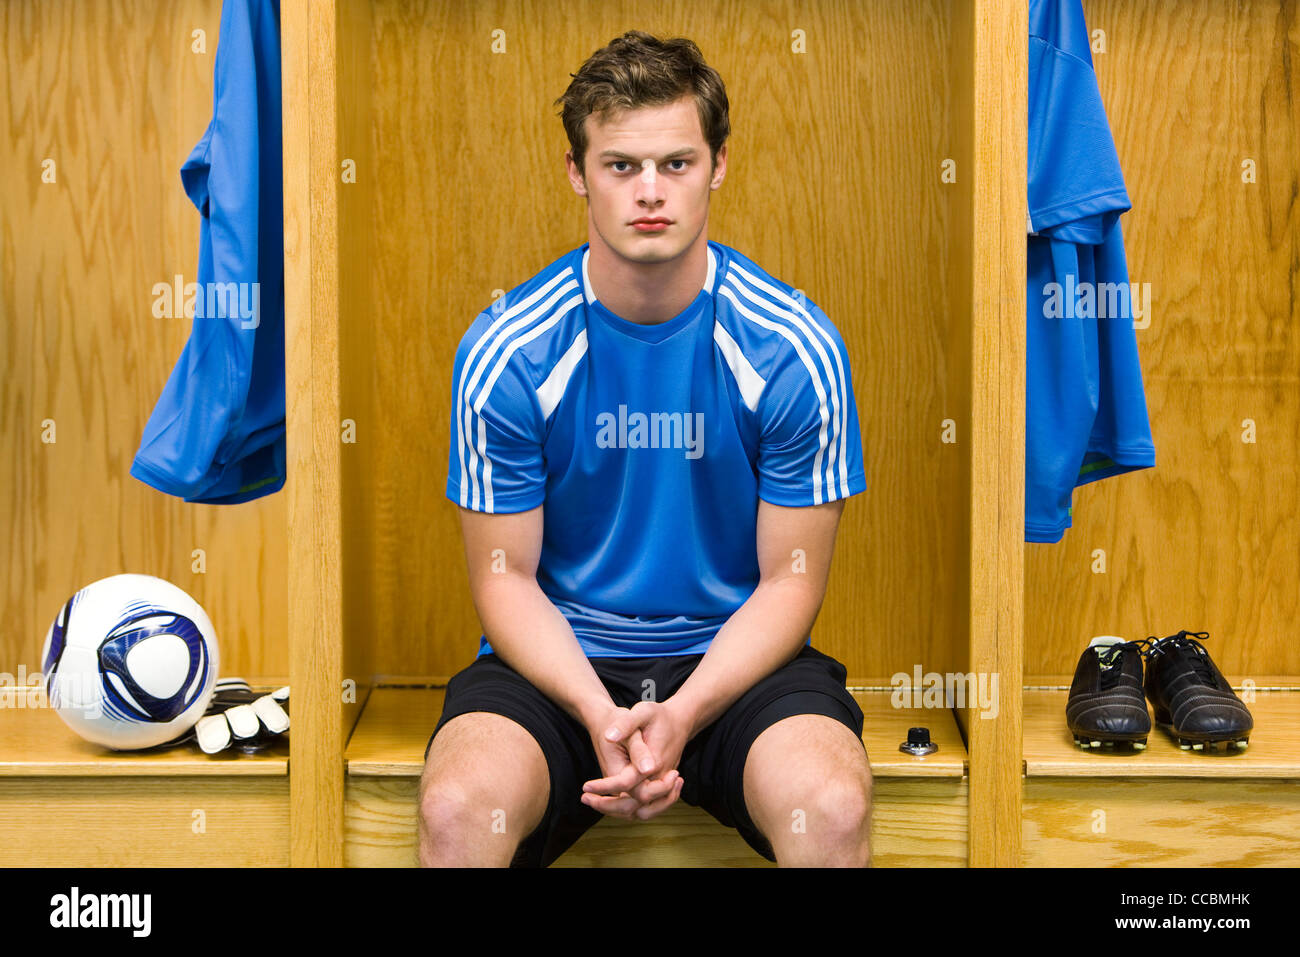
(1095, 744)
(1184, 747)
(1139, 745)
(1198, 747)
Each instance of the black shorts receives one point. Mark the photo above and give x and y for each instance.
(712, 763)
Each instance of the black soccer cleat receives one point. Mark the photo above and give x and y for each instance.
(1106, 706)
(1191, 697)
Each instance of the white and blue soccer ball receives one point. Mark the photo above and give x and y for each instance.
(130, 662)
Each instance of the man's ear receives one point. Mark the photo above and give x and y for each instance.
(719, 168)
(579, 183)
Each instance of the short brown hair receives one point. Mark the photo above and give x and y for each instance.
(636, 70)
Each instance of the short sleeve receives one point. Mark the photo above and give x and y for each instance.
(1074, 170)
(810, 449)
(496, 460)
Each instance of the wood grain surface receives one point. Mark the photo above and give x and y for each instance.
(1208, 540)
(115, 96)
(1154, 822)
(833, 185)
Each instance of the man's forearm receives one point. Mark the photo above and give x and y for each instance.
(530, 635)
(762, 635)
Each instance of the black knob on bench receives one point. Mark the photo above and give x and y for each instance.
(918, 742)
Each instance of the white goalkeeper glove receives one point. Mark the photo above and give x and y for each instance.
(239, 717)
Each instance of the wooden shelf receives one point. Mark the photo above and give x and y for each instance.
(1162, 807)
(1274, 750)
(34, 742)
(173, 808)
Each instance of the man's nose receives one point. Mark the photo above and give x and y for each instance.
(649, 189)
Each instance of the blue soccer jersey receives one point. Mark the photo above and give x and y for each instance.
(650, 445)
(217, 432)
(1085, 415)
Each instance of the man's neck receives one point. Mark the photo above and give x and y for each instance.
(648, 293)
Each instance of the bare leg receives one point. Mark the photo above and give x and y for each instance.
(484, 789)
(808, 790)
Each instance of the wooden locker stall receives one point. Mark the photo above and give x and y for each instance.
(432, 180)
(876, 163)
(104, 104)
(1201, 98)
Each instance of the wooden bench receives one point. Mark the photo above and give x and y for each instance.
(68, 803)
(919, 816)
(1162, 807)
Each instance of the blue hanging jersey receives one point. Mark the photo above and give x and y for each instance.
(217, 432)
(650, 445)
(1086, 416)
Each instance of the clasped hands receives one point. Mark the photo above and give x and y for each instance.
(638, 749)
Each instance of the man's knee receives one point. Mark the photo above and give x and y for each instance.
(485, 783)
(826, 818)
(842, 806)
(448, 810)
(808, 789)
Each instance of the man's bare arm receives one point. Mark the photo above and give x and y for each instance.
(795, 546)
(525, 629)
(529, 634)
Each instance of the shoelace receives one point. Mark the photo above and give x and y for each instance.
(1200, 658)
(1109, 657)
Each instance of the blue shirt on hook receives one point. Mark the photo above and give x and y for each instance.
(1086, 413)
(217, 433)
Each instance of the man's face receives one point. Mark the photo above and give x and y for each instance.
(651, 162)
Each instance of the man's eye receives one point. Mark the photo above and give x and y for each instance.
(618, 163)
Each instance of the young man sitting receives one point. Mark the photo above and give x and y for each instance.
(653, 443)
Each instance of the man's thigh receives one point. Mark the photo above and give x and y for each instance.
(715, 764)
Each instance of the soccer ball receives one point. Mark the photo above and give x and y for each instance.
(130, 662)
